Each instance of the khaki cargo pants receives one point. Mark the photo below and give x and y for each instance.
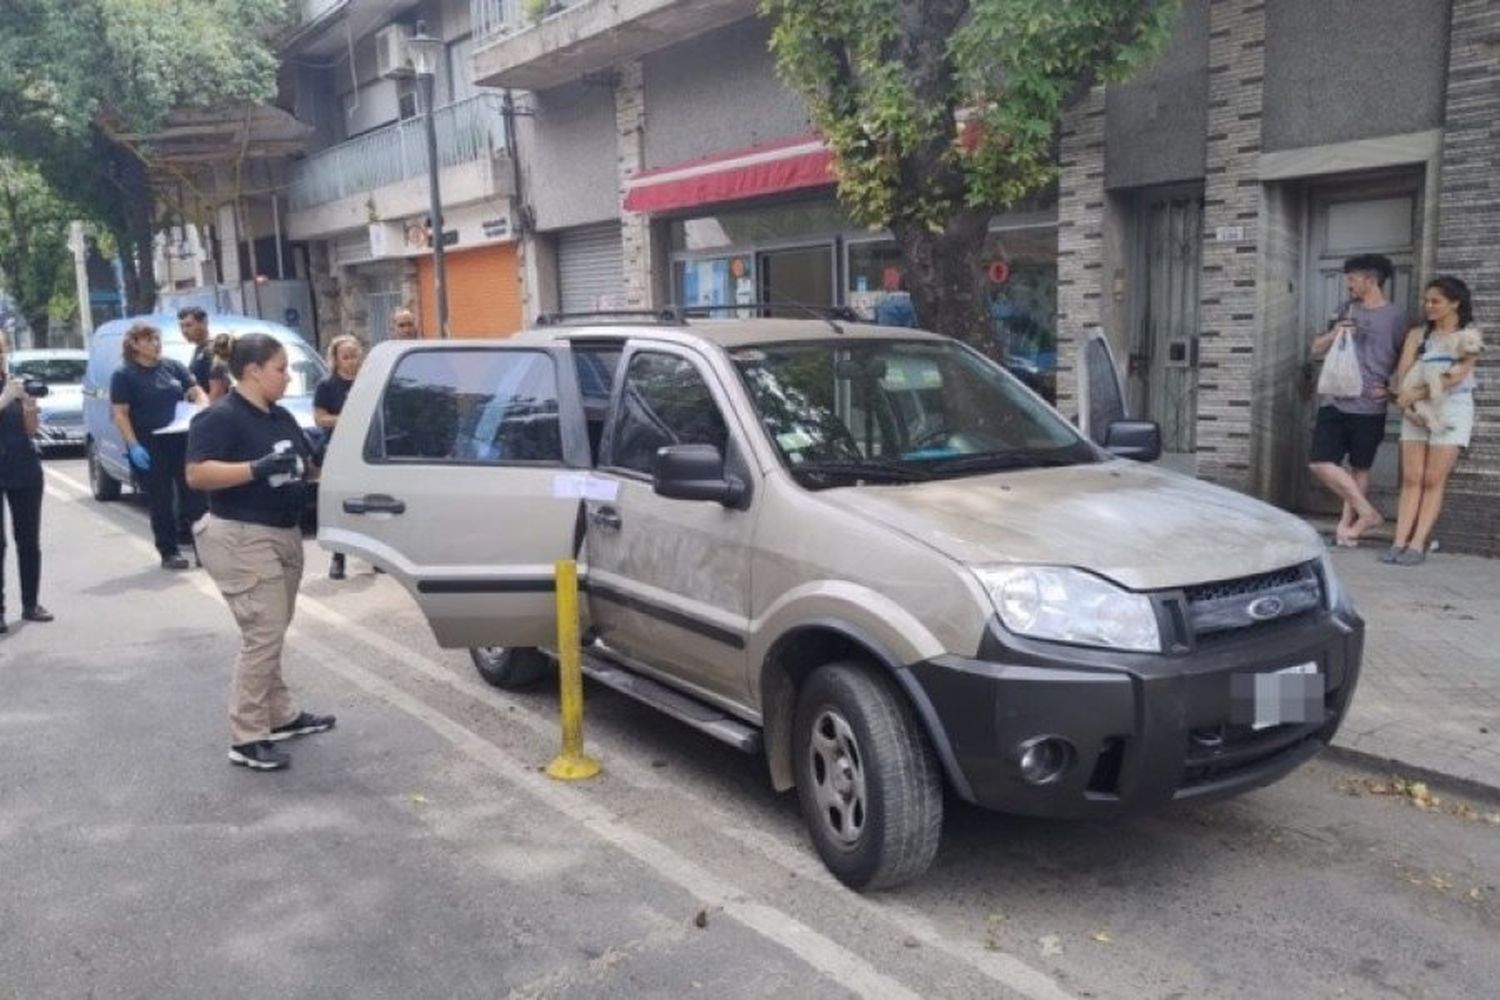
(258, 570)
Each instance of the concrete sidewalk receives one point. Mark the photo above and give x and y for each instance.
(1429, 696)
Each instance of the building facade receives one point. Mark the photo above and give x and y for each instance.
(1201, 216)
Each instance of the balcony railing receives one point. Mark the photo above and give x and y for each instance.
(467, 130)
(491, 18)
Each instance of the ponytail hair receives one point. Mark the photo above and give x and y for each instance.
(252, 349)
(341, 340)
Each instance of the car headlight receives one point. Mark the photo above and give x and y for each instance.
(1069, 605)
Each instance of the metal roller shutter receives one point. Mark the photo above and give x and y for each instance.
(590, 265)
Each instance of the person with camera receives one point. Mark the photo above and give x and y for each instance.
(20, 488)
(250, 456)
(144, 393)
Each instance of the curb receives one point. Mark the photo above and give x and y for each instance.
(1437, 779)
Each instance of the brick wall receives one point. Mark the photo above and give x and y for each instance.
(1229, 306)
(1469, 247)
(1080, 236)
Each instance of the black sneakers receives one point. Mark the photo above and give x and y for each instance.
(336, 568)
(260, 756)
(303, 725)
(36, 613)
(176, 560)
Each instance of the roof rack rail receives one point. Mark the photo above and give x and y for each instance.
(832, 315)
(667, 316)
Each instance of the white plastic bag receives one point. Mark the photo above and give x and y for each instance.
(1341, 377)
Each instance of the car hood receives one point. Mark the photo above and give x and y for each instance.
(61, 398)
(1143, 527)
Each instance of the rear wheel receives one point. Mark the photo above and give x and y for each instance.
(102, 485)
(509, 668)
(869, 784)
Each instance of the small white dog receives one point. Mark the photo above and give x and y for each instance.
(1444, 350)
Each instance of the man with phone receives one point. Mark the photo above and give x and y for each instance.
(1353, 426)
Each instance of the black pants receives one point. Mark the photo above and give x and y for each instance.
(26, 529)
(174, 507)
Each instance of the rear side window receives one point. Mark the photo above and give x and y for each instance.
(665, 402)
(469, 408)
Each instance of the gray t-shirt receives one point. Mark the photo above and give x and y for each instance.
(1378, 336)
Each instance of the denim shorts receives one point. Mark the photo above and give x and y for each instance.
(1459, 409)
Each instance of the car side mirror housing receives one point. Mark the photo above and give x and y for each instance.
(1137, 440)
(696, 472)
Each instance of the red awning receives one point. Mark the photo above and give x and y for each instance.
(784, 165)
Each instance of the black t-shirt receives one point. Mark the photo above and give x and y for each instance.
(151, 393)
(235, 430)
(202, 363)
(20, 465)
(331, 394)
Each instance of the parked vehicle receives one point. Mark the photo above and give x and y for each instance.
(109, 467)
(867, 552)
(60, 411)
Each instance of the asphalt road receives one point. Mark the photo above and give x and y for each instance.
(417, 850)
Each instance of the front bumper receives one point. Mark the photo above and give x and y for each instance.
(60, 435)
(1145, 729)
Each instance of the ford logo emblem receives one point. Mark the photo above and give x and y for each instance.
(1264, 608)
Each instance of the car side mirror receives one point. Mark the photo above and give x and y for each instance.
(36, 388)
(1138, 440)
(696, 472)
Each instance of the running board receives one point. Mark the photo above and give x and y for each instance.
(684, 708)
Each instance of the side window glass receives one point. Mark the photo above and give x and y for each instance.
(596, 365)
(665, 402)
(469, 407)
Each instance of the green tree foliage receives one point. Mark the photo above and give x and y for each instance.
(941, 113)
(75, 75)
(34, 254)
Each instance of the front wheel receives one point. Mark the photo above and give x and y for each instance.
(509, 668)
(102, 485)
(869, 784)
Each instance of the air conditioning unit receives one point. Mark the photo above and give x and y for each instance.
(391, 57)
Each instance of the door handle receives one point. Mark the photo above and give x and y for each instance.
(374, 503)
(606, 517)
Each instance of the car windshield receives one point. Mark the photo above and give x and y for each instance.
(899, 411)
(53, 371)
(305, 367)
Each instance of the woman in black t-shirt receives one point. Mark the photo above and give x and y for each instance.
(249, 455)
(21, 490)
(345, 355)
(144, 393)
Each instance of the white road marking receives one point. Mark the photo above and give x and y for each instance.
(822, 953)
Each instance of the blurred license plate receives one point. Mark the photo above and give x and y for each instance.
(1292, 695)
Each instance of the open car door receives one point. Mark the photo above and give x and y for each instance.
(455, 468)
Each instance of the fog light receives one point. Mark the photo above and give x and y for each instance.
(1044, 759)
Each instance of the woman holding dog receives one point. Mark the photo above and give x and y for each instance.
(1428, 454)
(21, 490)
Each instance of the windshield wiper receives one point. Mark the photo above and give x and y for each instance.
(998, 461)
(889, 472)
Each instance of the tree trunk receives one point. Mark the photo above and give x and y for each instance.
(945, 275)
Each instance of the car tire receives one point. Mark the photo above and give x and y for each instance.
(102, 485)
(868, 781)
(510, 668)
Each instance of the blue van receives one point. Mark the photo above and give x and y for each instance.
(109, 469)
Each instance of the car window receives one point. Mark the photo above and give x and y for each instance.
(469, 407)
(53, 371)
(596, 370)
(665, 402)
(302, 363)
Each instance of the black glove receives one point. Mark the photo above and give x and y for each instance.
(276, 463)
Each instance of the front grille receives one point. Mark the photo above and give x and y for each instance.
(1234, 607)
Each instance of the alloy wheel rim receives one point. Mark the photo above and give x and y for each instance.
(836, 769)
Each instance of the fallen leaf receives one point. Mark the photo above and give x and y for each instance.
(990, 944)
(1103, 937)
(1439, 883)
(996, 917)
(1051, 945)
(1476, 895)
(419, 799)
(701, 920)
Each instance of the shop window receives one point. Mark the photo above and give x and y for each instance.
(469, 407)
(717, 282)
(1020, 289)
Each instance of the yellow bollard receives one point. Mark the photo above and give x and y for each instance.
(572, 764)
